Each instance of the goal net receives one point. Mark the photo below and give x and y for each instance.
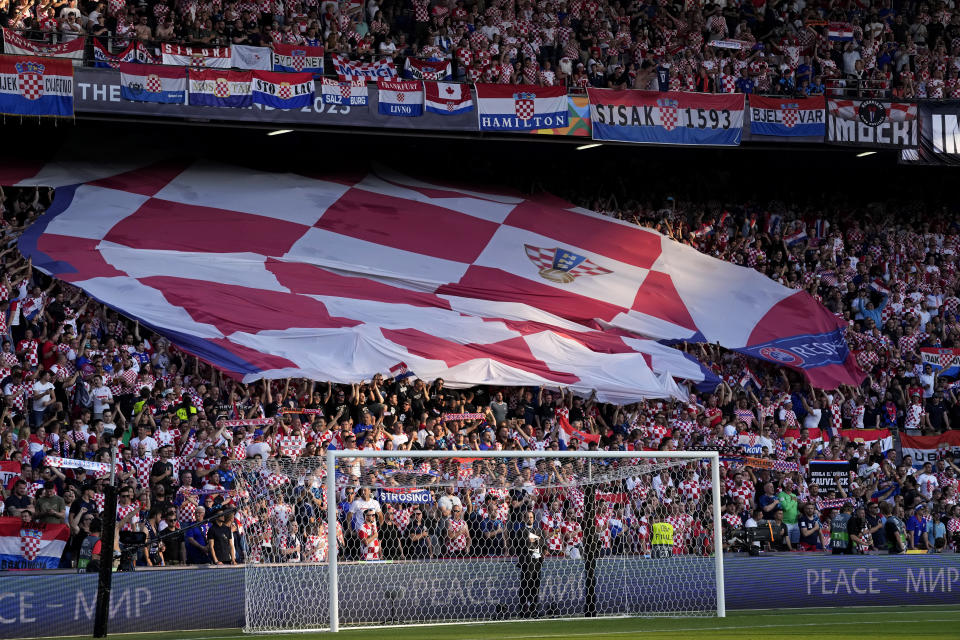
(375, 538)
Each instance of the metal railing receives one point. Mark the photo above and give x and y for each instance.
(834, 87)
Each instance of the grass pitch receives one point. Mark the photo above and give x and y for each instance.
(873, 623)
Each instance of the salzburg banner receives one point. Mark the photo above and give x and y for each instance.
(931, 448)
(31, 545)
(666, 117)
(872, 123)
(36, 86)
(473, 285)
(520, 107)
(14, 43)
(787, 116)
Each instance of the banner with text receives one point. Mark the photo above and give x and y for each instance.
(15, 44)
(939, 133)
(36, 86)
(198, 57)
(787, 116)
(522, 107)
(872, 123)
(827, 473)
(946, 360)
(931, 448)
(666, 117)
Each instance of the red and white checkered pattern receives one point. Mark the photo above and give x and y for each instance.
(30, 85)
(373, 547)
(552, 525)
(669, 118)
(457, 536)
(153, 83)
(790, 117)
(254, 313)
(30, 540)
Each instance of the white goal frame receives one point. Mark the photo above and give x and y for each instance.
(332, 455)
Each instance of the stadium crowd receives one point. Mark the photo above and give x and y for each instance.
(215, 471)
(904, 49)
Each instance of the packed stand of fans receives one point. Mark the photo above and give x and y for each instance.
(78, 379)
(907, 50)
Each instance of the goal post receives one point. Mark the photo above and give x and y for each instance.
(432, 537)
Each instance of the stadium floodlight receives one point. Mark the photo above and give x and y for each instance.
(434, 537)
(864, 154)
(280, 132)
(584, 147)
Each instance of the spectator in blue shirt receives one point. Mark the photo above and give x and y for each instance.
(917, 529)
(195, 539)
(745, 84)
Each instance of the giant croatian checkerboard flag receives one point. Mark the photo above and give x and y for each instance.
(31, 546)
(271, 275)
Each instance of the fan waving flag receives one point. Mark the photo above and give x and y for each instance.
(521, 107)
(269, 275)
(152, 83)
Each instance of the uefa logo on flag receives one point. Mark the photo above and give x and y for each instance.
(524, 105)
(668, 113)
(30, 79)
(562, 265)
(781, 355)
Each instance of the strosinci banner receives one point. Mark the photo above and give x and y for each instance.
(666, 117)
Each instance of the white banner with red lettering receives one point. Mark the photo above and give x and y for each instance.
(15, 44)
(199, 57)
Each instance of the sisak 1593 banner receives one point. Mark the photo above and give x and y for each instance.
(666, 117)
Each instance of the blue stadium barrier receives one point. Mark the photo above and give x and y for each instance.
(61, 604)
